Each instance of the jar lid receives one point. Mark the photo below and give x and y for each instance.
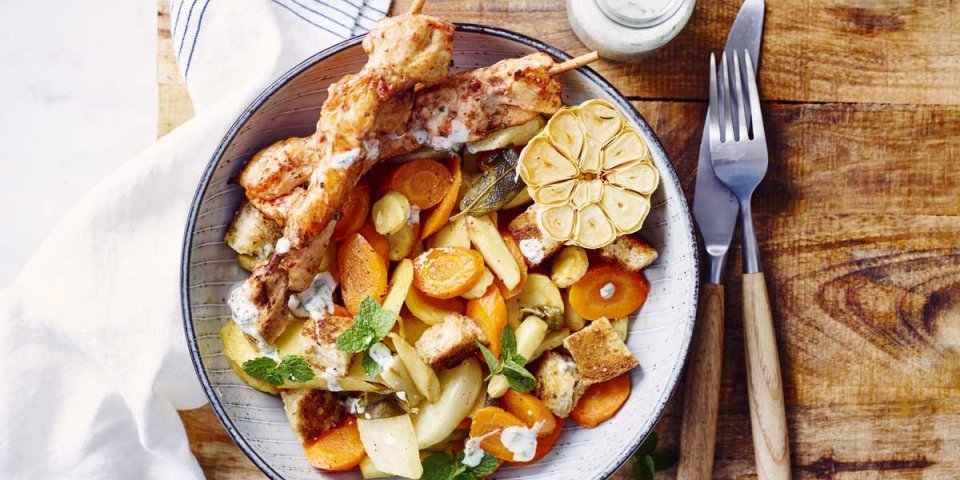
(639, 13)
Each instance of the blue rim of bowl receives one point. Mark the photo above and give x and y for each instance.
(557, 54)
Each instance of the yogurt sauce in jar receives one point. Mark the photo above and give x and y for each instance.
(628, 30)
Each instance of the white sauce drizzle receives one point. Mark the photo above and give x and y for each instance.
(454, 140)
(316, 301)
(333, 381)
(414, 217)
(345, 160)
(283, 245)
(353, 405)
(521, 441)
(607, 291)
(245, 313)
(532, 249)
(381, 354)
(472, 453)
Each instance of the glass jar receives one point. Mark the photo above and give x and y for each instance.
(628, 30)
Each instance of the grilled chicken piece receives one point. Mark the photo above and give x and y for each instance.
(508, 93)
(410, 48)
(278, 209)
(279, 168)
(259, 306)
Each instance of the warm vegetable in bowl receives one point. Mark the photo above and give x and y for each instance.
(428, 337)
(416, 318)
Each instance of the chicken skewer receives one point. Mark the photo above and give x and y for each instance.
(403, 51)
(273, 179)
(508, 93)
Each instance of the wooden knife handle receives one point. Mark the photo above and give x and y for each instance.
(767, 415)
(702, 397)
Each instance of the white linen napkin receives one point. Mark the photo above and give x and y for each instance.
(93, 350)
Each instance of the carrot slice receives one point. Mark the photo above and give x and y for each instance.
(530, 410)
(447, 272)
(544, 445)
(439, 216)
(363, 272)
(491, 419)
(424, 182)
(601, 401)
(521, 262)
(356, 208)
(490, 312)
(377, 241)
(340, 311)
(337, 449)
(608, 291)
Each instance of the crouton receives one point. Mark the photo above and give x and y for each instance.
(448, 343)
(261, 302)
(630, 252)
(310, 412)
(599, 352)
(320, 343)
(533, 244)
(251, 232)
(558, 382)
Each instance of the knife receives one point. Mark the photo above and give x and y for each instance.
(715, 210)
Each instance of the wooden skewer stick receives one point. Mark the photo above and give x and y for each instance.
(417, 6)
(573, 63)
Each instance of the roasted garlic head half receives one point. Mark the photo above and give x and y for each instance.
(591, 175)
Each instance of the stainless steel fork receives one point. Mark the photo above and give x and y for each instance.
(738, 149)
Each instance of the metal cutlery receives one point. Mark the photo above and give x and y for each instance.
(738, 152)
(715, 209)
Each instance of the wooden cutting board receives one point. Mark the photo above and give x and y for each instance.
(858, 219)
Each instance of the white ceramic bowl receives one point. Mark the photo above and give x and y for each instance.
(659, 333)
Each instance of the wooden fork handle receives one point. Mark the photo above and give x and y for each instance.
(767, 414)
(700, 405)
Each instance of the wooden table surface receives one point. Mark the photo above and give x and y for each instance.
(858, 219)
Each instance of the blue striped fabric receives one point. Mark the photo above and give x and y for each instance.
(340, 18)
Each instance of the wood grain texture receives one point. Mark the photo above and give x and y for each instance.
(878, 51)
(768, 419)
(858, 222)
(702, 394)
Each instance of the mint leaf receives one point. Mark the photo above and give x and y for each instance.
(493, 363)
(515, 358)
(518, 377)
(355, 340)
(663, 460)
(382, 322)
(641, 471)
(259, 367)
(508, 342)
(370, 367)
(295, 368)
(292, 367)
(368, 308)
(487, 466)
(647, 461)
(648, 446)
(370, 325)
(438, 466)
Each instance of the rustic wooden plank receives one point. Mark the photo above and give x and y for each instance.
(883, 51)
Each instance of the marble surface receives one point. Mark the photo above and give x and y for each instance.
(79, 98)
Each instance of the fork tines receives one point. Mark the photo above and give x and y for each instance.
(731, 120)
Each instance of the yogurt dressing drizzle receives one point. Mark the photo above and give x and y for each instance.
(521, 441)
(532, 249)
(245, 313)
(316, 301)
